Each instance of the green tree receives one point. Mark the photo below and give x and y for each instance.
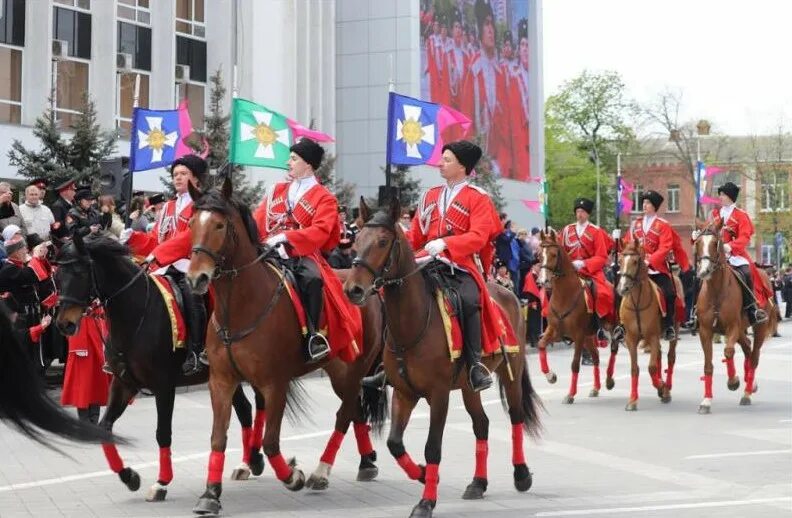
(59, 158)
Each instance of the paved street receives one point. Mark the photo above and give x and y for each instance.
(594, 459)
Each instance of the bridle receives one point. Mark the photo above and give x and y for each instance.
(715, 261)
(380, 279)
(633, 278)
(219, 259)
(555, 271)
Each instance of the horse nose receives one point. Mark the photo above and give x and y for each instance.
(356, 294)
(67, 328)
(199, 283)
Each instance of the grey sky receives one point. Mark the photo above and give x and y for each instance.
(729, 58)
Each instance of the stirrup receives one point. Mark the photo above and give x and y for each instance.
(191, 365)
(760, 316)
(106, 368)
(669, 334)
(317, 340)
(485, 382)
(203, 358)
(618, 333)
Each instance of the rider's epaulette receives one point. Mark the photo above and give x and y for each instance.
(479, 189)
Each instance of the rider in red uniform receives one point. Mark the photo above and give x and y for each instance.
(588, 249)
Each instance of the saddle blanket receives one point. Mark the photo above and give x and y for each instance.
(178, 325)
(453, 330)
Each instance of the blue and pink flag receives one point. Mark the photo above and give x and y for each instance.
(703, 174)
(624, 190)
(158, 137)
(417, 130)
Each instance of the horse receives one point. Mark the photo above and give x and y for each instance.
(568, 317)
(416, 359)
(257, 338)
(139, 348)
(640, 313)
(719, 310)
(24, 403)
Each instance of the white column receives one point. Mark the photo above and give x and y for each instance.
(163, 54)
(36, 60)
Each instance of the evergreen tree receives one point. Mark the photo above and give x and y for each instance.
(59, 159)
(483, 177)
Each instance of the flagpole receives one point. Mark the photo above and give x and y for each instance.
(391, 89)
(617, 245)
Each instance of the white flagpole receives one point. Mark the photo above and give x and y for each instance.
(136, 97)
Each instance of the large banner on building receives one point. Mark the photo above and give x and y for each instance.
(474, 58)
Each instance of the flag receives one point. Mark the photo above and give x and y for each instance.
(544, 201)
(714, 170)
(702, 176)
(415, 130)
(624, 190)
(262, 137)
(533, 205)
(157, 137)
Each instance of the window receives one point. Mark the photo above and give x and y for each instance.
(136, 41)
(126, 98)
(12, 22)
(10, 85)
(74, 27)
(196, 97)
(72, 85)
(80, 4)
(192, 52)
(190, 17)
(768, 254)
(673, 198)
(134, 10)
(636, 199)
(775, 191)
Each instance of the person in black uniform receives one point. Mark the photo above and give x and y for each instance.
(83, 216)
(60, 209)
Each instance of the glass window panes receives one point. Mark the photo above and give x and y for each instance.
(126, 98)
(82, 4)
(190, 17)
(74, 27)
(136, 41)
(144, 17)
(12, 23)
(10, 75)
(196, 96)
(198, 11)
(10, 113)
(673, 198)
(126, 12)
(72, 84)
(636, 199)
(192, 52)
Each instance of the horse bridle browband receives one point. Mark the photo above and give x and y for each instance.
(379, 277)
(556, 270)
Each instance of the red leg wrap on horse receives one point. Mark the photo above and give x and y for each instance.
(669, 376)
(258, 429)
(409, 467)
(247, 433)
(165, 466)
(543, 361)
(482, 449)
(634, 387)
(749, 380)
(657, 380)
(216, 463)
(597, 384)
(278, 463)
(112, 456)
(518, 455)
(707, 379)
(731, 370)
(573, 384)
(430, 488)
(332, 447)
(362, 437)
(611, 364)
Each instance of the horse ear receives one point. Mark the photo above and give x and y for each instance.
(195, 192)
(365, 211)
(552, 234)
(542, 235)
(228, 188)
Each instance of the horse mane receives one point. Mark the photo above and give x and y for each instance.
(382, 218)
(214, 201)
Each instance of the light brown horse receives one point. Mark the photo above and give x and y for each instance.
(568, 317)
(719, 310)
(255, 335)
(641, 316)
(417, 360)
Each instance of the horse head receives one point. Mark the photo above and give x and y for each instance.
(551, 261)
(217, 221)
(377, 248)
(631, 266)
(709, 249)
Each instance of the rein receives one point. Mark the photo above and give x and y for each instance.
(556, 272)
(637, 281)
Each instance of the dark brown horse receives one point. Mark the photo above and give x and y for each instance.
(568, 317)
(254, 335)
(417, 359)
(719, 310)
(641, 316)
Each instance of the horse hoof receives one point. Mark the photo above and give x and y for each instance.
(296, 480)
(241, 472)
(423, 509)
(568, 400)
(610, 383)
(317, 483)
(704, 409)
(130, 478)
(157, 493)
(256, 463)
(476, 489)
(632, 406)
(367, 474)
(523, 480)
(733, 384)
(209, 503)
(551, 377)
(594, 393)
(745, 401)
(665, 399)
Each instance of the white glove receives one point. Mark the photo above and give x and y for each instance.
(46, 321)
(275, 240)
(125, 235)
(578, 264)
(435, 247)
(727, 248)
(40, 251)
(616, 234)
(695, 235)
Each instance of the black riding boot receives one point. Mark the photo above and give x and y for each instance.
(196, 314)
(316, 346)
(669, 323)
(755, 315)
(375, 381)
(479, 376)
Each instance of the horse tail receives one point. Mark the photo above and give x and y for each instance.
(375, 408)
(297, 402)
(24, 402)
(531, 404)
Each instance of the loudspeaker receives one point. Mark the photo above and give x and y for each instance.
(111, 177)
(386, 194)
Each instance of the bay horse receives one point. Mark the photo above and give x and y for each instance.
(641, 315)
(139, 348)
(417, 362)
(24, 403)
(568, 317)
(255, 336)
(719, 310)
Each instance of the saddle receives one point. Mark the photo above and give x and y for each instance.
(174, 302)
(589, 293)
